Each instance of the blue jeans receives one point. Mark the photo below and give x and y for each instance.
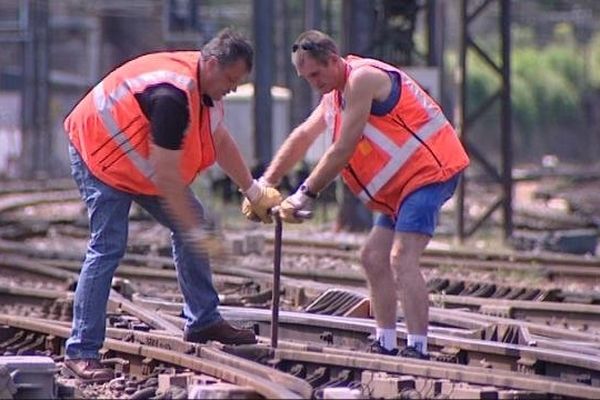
(108, 212)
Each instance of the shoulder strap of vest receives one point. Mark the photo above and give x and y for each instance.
(357, 62)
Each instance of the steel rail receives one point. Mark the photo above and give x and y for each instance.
(536, 259)
(10, 187)
(468, 325)
(21, 263)
(543, 312)
(212, 352)
(36, 293)
(170, 349)
(8, 203)
(115, 299)
(476, 349)
(540, 329)
(548, 270)
(145, 315)
(262, 386)
(33, 266)
(432, 369)
(533, 311)
(568, 340)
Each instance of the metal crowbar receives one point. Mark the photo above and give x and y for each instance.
(277, 242)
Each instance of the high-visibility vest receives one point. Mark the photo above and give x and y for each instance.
(411, 146)
(113, 136)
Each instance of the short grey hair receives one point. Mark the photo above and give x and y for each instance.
(228, 47)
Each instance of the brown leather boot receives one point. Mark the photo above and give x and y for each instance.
(221, 331)
(89, 370)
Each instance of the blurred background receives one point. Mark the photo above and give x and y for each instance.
(519, 79)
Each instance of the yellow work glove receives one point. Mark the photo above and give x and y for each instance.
(207, 244)
(298, 207)
(260, 199)
(247, 211)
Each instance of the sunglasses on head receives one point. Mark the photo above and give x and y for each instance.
(307, 46)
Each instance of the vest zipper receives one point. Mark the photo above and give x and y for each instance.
(405, 126)
(355, 176)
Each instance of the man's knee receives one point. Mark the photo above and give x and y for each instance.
(404, 261)
(397, 254)
(374, 260)
(407, 250)
(107, 249)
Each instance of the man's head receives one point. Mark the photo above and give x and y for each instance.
(316, 58)
(226, 61)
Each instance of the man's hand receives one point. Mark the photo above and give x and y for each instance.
(247, 211)
(206, 243)
(295, 205)
(260, 199)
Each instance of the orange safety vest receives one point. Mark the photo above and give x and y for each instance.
(113, 136)
(411, 146)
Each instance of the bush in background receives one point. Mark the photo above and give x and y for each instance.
(554, 97)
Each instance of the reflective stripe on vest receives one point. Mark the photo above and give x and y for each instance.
(399, 155)
(106, 102)
(412, 146)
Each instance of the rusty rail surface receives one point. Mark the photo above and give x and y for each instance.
(262, 386)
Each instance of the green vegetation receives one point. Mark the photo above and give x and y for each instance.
(552, 87)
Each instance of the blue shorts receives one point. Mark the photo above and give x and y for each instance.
(419, 211)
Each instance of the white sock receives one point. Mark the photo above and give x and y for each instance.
(419, 342)
(387, 338)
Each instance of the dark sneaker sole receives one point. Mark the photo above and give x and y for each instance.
(237, 342)
(233, 343)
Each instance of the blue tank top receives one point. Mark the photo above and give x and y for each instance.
(381, 108)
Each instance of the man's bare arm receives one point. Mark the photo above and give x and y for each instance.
(359, 96)
(171, 187)
(296, 145)
(230, 159)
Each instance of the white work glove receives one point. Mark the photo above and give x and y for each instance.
(298, 207)
(261, 197)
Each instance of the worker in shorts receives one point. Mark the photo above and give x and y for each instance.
(396, 151)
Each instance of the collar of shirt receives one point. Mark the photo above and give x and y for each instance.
(207, 101)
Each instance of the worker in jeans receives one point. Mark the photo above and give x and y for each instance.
(142, 135)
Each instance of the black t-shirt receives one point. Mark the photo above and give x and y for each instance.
(167, 109)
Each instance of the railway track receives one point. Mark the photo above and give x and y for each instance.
(528, 304)
(487, 340)
(460, 346)
(135, 360)
(305, 370)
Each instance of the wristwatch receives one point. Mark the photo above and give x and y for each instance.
(306, 191)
